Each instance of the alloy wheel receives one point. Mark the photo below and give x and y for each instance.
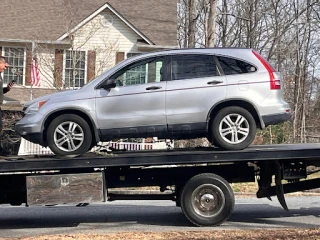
(68, 136)
(234, 128)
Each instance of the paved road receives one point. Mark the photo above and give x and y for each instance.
(118, 216)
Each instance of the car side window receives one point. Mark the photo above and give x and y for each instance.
(193, 66)
(145, 71)
(232, 66)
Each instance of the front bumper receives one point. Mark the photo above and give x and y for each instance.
(34, 138)
(29, 128)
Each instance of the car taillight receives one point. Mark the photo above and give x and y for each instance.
(275, 78)
(275, 82)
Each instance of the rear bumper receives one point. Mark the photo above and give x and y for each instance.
(275, 118)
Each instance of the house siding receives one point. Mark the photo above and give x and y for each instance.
(106, 40)
(46, 66)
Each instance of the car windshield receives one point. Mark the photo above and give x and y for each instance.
(96, 79)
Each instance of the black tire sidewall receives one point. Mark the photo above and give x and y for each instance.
(217, 139)
(186, 199)
(85, 146)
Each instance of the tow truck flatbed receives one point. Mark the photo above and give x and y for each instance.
(197, 179)
(310, 153)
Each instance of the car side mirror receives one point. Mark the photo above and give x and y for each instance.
(109, 84)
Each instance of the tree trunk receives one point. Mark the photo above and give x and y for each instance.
(212, 24)
(192, 24)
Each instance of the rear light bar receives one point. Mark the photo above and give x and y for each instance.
(275, 81)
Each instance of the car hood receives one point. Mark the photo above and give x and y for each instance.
(63, 95)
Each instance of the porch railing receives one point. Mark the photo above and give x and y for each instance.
(29, 148)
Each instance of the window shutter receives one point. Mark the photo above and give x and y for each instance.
(28, 68)
(58, 68)
(91, 66)
(119, 57)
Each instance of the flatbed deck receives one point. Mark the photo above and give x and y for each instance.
(197, 179)
(309, 153)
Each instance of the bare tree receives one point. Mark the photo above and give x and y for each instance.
(286, 33)
(192, 23)
(211, 25)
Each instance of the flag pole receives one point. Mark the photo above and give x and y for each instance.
(31, 92)
(33, 52)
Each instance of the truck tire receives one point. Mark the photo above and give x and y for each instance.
(233, 128)
(69, 134)
(207, 200)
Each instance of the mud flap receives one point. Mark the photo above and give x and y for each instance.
(279, 186)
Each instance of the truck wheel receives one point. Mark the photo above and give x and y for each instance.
(207, 200)
(233, 128)
(69, 134)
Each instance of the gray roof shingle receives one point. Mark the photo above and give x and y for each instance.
(49, 20)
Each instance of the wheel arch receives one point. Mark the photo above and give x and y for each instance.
(235, 103)
(80, 113)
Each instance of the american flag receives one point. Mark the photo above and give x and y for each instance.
(35, 78)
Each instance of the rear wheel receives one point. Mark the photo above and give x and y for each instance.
(207, 200)
(69, 134)
(233, 128)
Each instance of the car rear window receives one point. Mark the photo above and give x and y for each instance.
(193, 66)
(232, 66)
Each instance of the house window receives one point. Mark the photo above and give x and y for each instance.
(129, 55)
(145, 71)
(138, 74)
(15, 71)
(75, 69)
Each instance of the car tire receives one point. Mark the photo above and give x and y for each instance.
(233, 128)
(73, 141)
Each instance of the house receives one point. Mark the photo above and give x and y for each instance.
(74, 40)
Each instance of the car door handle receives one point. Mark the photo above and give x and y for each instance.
(214, 82)
(153, 88)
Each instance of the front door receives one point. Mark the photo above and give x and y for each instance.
(136, 107)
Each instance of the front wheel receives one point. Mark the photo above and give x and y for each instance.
(69, 134)
(233, 128)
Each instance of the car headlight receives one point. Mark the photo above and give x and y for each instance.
(35, 106)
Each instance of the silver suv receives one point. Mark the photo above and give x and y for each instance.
(223, 94)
